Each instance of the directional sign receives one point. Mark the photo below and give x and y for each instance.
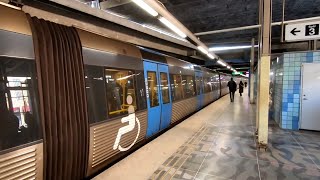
(302, 31)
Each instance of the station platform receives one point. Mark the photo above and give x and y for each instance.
(218, 142)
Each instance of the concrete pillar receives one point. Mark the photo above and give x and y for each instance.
(252, 78)
(264, 73)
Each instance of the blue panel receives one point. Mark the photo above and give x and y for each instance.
(154, 113)
(166, 109)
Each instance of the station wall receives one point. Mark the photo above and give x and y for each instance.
(286, 87)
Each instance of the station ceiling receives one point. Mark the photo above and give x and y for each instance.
(210, 15)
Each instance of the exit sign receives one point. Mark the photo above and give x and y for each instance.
(237, 73)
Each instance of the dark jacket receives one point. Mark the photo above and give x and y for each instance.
(241, 87)
(232, 86)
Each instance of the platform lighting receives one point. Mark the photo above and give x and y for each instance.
(226, 48)
(202, 50)
(220, 62)
(210, 56)
(146, 7)
(228, 67)
(172, 27)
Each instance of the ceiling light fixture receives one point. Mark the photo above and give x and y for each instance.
(226, 48)
(228, 67)
(202, 50)
(172, 27)
(220, 62)
(210, 56)
(146, 7)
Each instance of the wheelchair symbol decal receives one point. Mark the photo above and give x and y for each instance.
(132, 119)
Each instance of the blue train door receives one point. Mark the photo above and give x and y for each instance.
(199, 87)
(158, 97)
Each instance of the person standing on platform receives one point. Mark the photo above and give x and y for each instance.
(232, 89)
(241, 88)
(245, 84)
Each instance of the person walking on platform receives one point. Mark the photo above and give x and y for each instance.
(241, 88)
(245, 84)
(232, 89)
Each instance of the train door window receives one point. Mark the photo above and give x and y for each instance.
(153, 89)
(140, 90)
(120, 84)
(96, 95)
(164, 88)
(19, 113)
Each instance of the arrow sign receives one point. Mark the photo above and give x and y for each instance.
(302, 31)
(294, 31)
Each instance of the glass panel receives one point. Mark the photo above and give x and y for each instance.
(207, 85)
(153, 89)
(120, 85)
(96, 95)
(177, 88)
(165, 88)
(189, 86)
(198, 85)
(19, 115)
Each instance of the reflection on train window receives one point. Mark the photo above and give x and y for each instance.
(120, 84)
(182, 87)
(153, 88)
(198, 84)
(19, 113)
(176, 87)
(207, 85)
(165, 88)
(96, 94)
(188, 86)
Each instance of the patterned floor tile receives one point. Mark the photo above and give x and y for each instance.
(291, 154)
(230, 167)
(274, 171)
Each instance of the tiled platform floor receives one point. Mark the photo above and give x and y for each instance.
(224, 148)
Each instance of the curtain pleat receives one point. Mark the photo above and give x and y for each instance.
(63, 105)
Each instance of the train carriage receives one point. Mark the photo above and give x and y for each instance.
(72, 102)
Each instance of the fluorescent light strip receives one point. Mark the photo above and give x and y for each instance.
(202, 50)
(210, 56)
(146, 7)
(228, 67)
(172, 27)
(163, 32)
(229, 48)
(220, 62)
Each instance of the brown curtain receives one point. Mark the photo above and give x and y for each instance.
(63, 105)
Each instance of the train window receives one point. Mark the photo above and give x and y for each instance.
(19, 113)
(96, 95)
(120, 85)
(153, 88)
(188, 84)
(207, 85)
(140, 90)
(165, 88)
(177, 88)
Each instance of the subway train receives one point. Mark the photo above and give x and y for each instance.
(73, 102)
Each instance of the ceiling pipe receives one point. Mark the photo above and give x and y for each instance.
(255, 26)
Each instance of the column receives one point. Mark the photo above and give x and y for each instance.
(264, 74)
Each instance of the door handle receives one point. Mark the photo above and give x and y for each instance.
(305, 99)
